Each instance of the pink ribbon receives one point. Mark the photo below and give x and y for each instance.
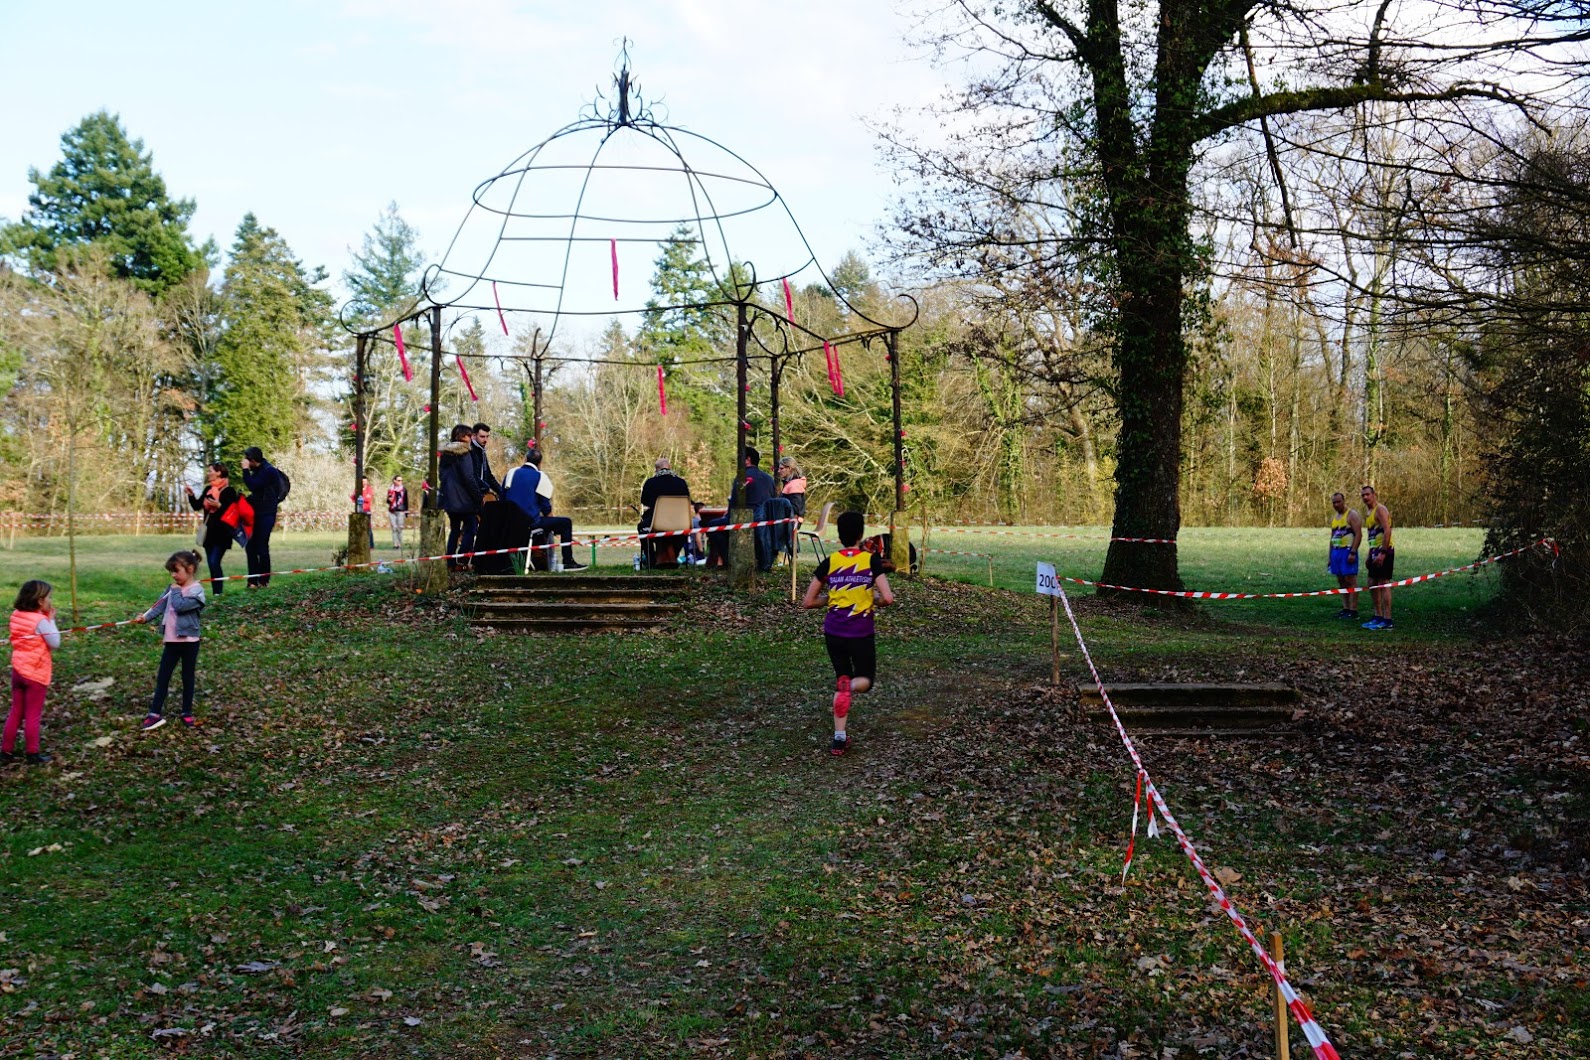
(662, 395)
(403, 357)
(494, 298)
(467, 383)
(612, 245)
(828, 355)
(839, 376)
(789, 302)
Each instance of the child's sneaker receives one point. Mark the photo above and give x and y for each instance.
(190, 721)
(840, 745)
(152, 722)
(38, 758)
(8, 757)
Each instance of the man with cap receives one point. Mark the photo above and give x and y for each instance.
(264, 484)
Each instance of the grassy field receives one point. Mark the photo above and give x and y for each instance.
(393, 836)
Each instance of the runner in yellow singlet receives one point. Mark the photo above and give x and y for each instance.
(1382, 559)
(1347, 533)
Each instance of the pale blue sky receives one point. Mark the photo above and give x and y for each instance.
(316, 115)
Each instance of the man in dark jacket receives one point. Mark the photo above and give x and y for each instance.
(461, 494)
(264, 484)
(662, 484)
(752, 489)
(480, 434)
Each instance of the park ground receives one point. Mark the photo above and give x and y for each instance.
(393, 836)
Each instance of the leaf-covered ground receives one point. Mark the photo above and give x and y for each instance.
(395, 837)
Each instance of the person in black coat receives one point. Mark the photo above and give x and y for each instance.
(461, 494)
(217, 499)
(264, 484)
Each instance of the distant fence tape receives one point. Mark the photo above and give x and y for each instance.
(1201, 594)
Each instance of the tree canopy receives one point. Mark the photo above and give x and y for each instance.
(104, 192)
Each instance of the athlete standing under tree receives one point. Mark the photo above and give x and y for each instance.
(1347, 533)
(856, 584)
(1382, 559)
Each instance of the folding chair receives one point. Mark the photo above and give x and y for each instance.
(815, 534)
(669, 513)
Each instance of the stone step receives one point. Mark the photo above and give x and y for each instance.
(495, 609)
(1193, 695)
(570, 625)
(552, 593)
(542, 579)
(1223, 719)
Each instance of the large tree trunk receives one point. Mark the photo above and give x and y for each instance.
(1151, 359)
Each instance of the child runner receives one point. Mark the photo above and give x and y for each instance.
(856, 584)
(179, 608)
(33, 637)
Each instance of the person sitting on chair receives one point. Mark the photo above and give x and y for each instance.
(792, 484)
(530, 490)
(664, 483)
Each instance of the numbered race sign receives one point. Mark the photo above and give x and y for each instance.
(1048, 584)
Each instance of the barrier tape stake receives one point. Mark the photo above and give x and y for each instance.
(990, 559)
(1054, 639)
(1283, 1048)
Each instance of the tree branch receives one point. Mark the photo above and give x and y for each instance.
(1344, 97)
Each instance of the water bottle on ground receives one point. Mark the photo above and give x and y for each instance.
(555, 556)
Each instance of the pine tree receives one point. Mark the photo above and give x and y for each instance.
(385, 278)
(272, 317)
(105, 192)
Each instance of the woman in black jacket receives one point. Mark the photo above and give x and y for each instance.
(217, 499)
(461, 496)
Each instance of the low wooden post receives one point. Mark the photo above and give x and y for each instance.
(1054, 640)
(792, 576)
(359, 541)
(742, 551)
(1283, 1049)
(990, 560)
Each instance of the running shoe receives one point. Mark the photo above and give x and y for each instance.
(152, 722)
(190, 721)
(1344, 613)
(840, 745)
(1386, 624)
(1375, 623)
(572, 567)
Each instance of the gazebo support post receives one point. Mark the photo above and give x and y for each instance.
(433, 532)
(742, 543)
(776, 371)
(899, 530)
(359, 522)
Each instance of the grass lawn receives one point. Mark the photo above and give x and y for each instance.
(393, 836)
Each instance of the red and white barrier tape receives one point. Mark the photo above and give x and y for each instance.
(1323, 1050)
(951, 552)
(1201, 594)
(1045, 534)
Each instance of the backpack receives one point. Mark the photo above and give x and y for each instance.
(285, 484)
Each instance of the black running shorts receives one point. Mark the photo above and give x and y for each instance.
(853, 656)
(1382, 565)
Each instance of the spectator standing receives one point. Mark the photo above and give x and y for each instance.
(397, 507)
(480, 434)
(264, 484)
(530, 490)
(792, 484)
(217, 499)
(461, 496)
(34, 638)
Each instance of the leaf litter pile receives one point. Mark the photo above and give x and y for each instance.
(393, 836)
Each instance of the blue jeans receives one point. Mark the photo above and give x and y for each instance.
(213, 557)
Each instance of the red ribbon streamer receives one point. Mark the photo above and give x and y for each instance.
(839, 376)
(828, 355)
(467, 383)
(494, 298)
(403, 357)
(789, 302)
(662, 395)
(612, 245)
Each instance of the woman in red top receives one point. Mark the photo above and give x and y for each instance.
(217, 499)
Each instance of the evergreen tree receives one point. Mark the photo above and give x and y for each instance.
(385, 278)
(105, 192)
(272, 316)
(678, 325)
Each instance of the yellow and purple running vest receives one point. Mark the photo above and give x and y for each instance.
(850, 581)
(1341, 531)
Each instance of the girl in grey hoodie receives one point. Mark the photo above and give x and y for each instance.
(178, 610)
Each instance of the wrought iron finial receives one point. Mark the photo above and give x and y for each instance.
(628, 106)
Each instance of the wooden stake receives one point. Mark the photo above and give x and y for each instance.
(1283, 1050)
(1054, 638)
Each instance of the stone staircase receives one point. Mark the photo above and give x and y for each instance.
(575, 603)
(1264, 709)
